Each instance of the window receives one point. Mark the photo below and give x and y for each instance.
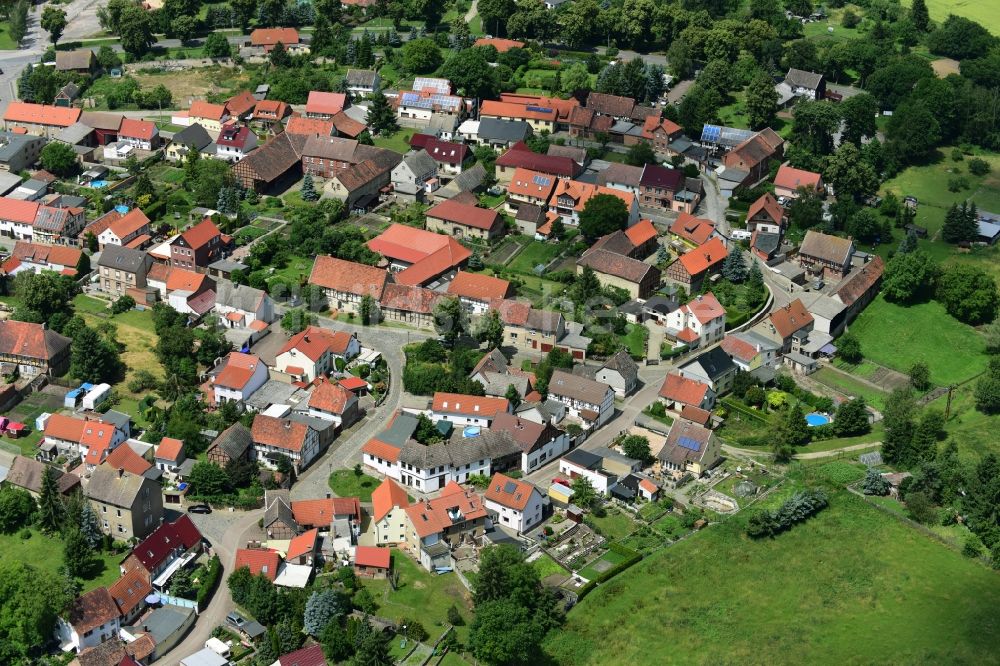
(119, 512)
(121, 528)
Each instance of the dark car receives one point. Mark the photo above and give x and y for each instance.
(199, 508)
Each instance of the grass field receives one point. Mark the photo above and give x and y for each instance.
(980, 11)
(45, 554)
(615, 525)
(606, 561)
(897, 337)
(546, 566)
(422, 596)
(6, 43)
(635, 340)
(535, 253)
(974, 432)
(398, 141)
(851, 585)
(345, 483)
(845, 384)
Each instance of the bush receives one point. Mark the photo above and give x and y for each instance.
(454, 616)
(123, 304)
(207, 586)
(958, 183)
(796, 509)
(973, 546)
(978, 167)
(875, 483)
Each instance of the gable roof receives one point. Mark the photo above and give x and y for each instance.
(75, 59)
(124, 457)
(610, 105)
(757, 148)
(464, 214)
(194, 135)
(130, 590)
(307, 656)
(325, 103)
(705, 307)
(501, 45)
(768, 206)
(200, 234)
(260, 561)
(469, 405)
(280, 433)
(511, 493)
(802, 79)
(238, 370)
(303, 544)
(477, 286)
(495, 108)
(320, 512)
(270, 161)
(429, 253)
(528, 183)
(40, 114)
(715, 362)
(641, 233)
(28, 473)
(308, 126)
(169, 449)
(408, 298)
(682, 389)
(241, 103)
(441, 151)
(314, 341)
(329, 397)
(654, 175)
(503, 130)
(695, 229)
(137, 129)
(519, 155)
(454, 505)
(618, 265)
(621, 361)
(109, 486)
(387, 496)
(372, 556)
(202, 109)
(826, 247)
(579, 388)
(130, 223)
(791, 318)
(59, 255)
(28, 340)
(791, 178)
(91, 610)
(699, 260)
(348, 276)
(361, 77)
(271, 36)
(686, 442)
(165, 539)
(234, 440)
(857, 285)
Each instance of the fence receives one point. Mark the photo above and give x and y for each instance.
(177, 601)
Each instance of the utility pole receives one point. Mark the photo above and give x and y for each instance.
(947, 409)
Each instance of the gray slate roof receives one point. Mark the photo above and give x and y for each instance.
(193, 135)
(361, 77)
(124, 259)
(802, 79)
(623, 363)
(108, 487)
(503, 130)
(240, 297)
(234, 440)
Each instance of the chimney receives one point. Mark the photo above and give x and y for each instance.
(121, 472)
(288, 425)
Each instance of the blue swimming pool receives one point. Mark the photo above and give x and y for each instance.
(98, 184)
(817, 419)
(121, 209)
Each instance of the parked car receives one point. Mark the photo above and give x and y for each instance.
(236, 620)
(199, 508)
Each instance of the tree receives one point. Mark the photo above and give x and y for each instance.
(761, 101)
(919, 15)
(297, 320)
(637, 447)
(208, 479)
(450, 319)
(77, 553)
(18, 28)
(309, 189)
(279, 56)
(217, 46)
(59, 159)
(371, 647)
(968, 293)
(640, 154)
(89, 527)
(336, 645)
(135, 30)
(584, 495)
(849, 349)
(381, 117)
(587, 286)
(806, 210)
(421, 56)
(920, 376)
(184, 28)
(898, 417)
(504, 632)
(987, 391)
(960, 224)
(960, 38)
(92, 358)
(50, 507)
(755, 290)
(494, 14)
(31, 601)
(850, 176)
(909, 277)
(865, 225)
(852, 418)
(859, 113)
(16, 509)
(513, 396)
(471, 72)
(368, 310)
(53, 22)
(322, 608)
(576, 77)
(491, 329)
(601, 215)
(874, 483)
(913, 131)
(993, 337)
(734, 268)
(814, 126)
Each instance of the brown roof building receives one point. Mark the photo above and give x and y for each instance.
(32, 349)
(277, 159)
(636, 277)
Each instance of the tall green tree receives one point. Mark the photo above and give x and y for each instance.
(78, 555)
(919, 15)
(852, 418)
(900, 425)
(860, 113)
(381, 117)
(471, 73)
(968, 293)
(135, 30)
(450, 319)
(491, 329)
(31, 601)
(850, 175)
(814, 126)
(50, 507)
(601, 215)
(761, 101)
(53, 22)
(93, 358)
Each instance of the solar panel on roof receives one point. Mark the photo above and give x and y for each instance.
(710, 133)
(509, 487)
(689, 443)
(540, 109)
(541, 180)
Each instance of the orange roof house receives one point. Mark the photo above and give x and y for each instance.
(455, 509)
(339, 277)
(303, 545)
(372, 557)
(123, 457)
(268, 431)
(458, 404)
(677, 390)
(465, 215)
(422, 255)
(386, 497)
(788, 180)
(531, 186)
(260, 561)
(309, 126)
(641, 233)
(144, 130)
(508, 492)
(201, 109)
(269, 37)
(792, 318)
(320, 513)
(329, 397)
(691, 268)
(694, 230)
(325, 104)
(479, 287)
(26, 113)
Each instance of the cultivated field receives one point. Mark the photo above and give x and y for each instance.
(984, 12)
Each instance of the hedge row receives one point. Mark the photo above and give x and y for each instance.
(631, 558)
(745, 411)
(214, 572)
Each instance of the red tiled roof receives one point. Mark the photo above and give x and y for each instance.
(648, 486)
(179, 279)
(372, 556)
(470, 405)
(303, 544)
(477, 286)
(346, 126)
(353, 383)
(563, 106)
(682, 389)
(768, 205)
(791, 318)
(307, 126)
(319, 512)
(67, 428)
(435, 516)
(263, 562)
(271, 36)
(92, 609)
(123, 457)
(270, 108)
(57, 255)
(200, 109)
(501, 45)
(40, 114)
(520, 155)
(307, 656)
(348, 276)
(330, 397)
(792, 179)
(407, 244)
(130, 590)
(695, 229)
(527, 183)
(858, 284)
(137, 129)
(653, 123)
(325, 103)
(131, 222)
(241, 103)
(705, 257)
(495, 109)
(407, 298)
(238, 370)
(464, 214)
(314, 341)
(201, 233)
(508, 492)
(641, 232)
(15, 210)
(169, 449)
(387, 496)
(280, 433)
(581, 193)
(154, 549)
(453, 254)
(696, 414)
(380, 449)
(705, 308)
(738, 348)
(441, 151)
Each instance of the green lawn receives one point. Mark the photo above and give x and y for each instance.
(984, 13)
(398, 141)
(974, 432)
(594, 569)
(294, 270)
(851, 585)
(635, 340)
(546, 566)
(6, 43)
(533, 254)
(897, 337)
(615, 525)
(45, 554)
(421, 595)
(345, 483)
(846, 384)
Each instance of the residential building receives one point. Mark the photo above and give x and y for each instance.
(501, 45)
(362, 82)
(233, 443)
(669, 189)
(277, 161)
(268, 38)
(624, 177)
(513, 503)
(19, 151)
(418, 257)
(332, 402)
(495, 133)
(28, 474)
(309, 126)
(570, 197)
(307, 656)
(467, 410)
(788, 323)
(105, 125)
(240, 305)
(689, 270)
(531, 329)
(126, 505)
(273, 437)
(477, 291)
(39, 119)
(77, 61)
(417, 108)
(130, 592)
(361, 186)
(170, 455)
(434, 526)
(36, 258)
(126, 230)
(415, 177)
(259, 561)
(589, 465)
(193, 137)
(678, 392)
(753, 353)
(611, 105)
(325, 105)
(198, 246)
(689, 449)
(33, 349)
(170, 547)
(692, 231)
(93, 618)
(389, 502)
(540, 118)
(240, 106)
(90, 440)
(210, 116)
(409, 305)
(529, 187)
(859, 289)
(140, 134)
(700, 322)
(240, 376)
(370, 562)
(712, 367)
(637, 278)
(315, 351)
(270, 113)
(619, 372)
(496, 376)
(519, 155)
(234, 143)
(800, 83)
(323, 514)
(465, 221)
(766, 215)
(661, 133)
(450, 158)
(539, 443)
(589, 400)
(826, 256)
(752, 157)
(790, 182)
